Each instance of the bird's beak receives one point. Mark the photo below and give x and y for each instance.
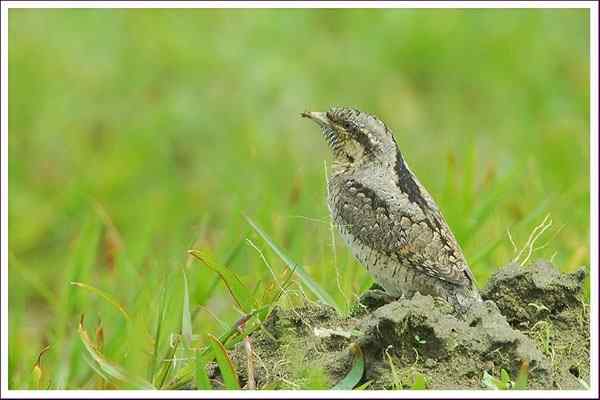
(327, 129)
(319, 117)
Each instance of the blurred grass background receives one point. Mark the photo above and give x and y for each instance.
(138, 134)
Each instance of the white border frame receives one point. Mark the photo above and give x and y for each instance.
(592, 393)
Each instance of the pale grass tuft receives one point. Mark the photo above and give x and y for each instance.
(537, 232)
(268, 265)
(333, 245)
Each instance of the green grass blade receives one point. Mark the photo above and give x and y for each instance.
(470, 166)
(504, 377)
(202, 381)
(230, 378)
(492, 382)
(186, 316)
(94, 366)
(230, 259)
(105, 296)
(419, 383)
(36, 283)
(229, 338)
(83, 257)
(239, 292)
(72, 302)
(486, 206)
(364, 385)
(298, 269)
(163, 372)
(356, 372)
(37, 373)
(111, 370)
(157, 336)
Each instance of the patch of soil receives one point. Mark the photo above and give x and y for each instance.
(533, 314)
(539, 291)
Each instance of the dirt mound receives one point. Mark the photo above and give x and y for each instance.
(534, 293)
(533, 314)
(548, 307)
(458, 350)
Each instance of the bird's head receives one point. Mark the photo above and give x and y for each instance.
(356, 138)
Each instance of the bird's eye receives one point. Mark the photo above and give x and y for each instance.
(347, 125)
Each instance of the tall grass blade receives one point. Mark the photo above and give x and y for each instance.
(230, 259)
(105, 296)
(419, 383)
(356, 372)
(202, 381)
(239, 292)
(167, 364)
(112, 371)
(491, 382)
(94, 367)
(364, 385)
(229, 338)
(34, 280)
(317, 290)
(230, 378)
(83, 256)
(469, 176)
(72, 303)
(487, 205)
(38, 372)
(186, 316)
(157, 336)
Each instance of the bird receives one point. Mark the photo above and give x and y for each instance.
(386, 217)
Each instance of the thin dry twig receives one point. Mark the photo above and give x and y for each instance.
(262, 256)
(510, 238)
(533, 237)
(311, 219)
(333, 245)
(250, 363)
(542, 228)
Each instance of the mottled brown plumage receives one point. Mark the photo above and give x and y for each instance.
(385, 215)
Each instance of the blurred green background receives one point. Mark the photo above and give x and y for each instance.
(138, 134)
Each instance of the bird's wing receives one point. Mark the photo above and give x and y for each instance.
(451, 265)
(425, 244)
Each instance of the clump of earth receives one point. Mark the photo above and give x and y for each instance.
(533, 319)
